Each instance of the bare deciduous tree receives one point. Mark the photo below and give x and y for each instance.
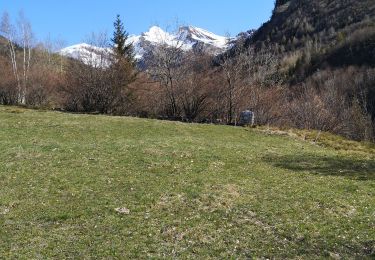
(194, 85)
(8, 31)
(232, 64)
(21, 38)
(25, 41)
(164, 63)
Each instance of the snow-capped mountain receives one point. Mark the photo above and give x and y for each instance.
(187, 38)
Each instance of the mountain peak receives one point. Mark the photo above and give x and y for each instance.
(154, 30)
(157, 35)
(188, 37)
(196, 34)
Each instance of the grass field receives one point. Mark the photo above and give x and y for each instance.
(85, 186)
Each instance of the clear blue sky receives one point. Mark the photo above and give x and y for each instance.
(73, 20)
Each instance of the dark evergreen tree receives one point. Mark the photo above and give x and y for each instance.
(280, 2)
(121, 49)
(123, 68)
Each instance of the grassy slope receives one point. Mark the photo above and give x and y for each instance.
(192, 190)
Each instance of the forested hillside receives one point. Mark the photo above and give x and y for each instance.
(324, 48)
(327, 33)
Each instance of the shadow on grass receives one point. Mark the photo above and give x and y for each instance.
(324, 165)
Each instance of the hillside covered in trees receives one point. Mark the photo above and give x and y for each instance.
(323, 47)
(310, 66)
(326, 33)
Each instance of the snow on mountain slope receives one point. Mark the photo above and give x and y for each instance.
(187, 37)
(157, 35)
(195, 34)
(88, 54)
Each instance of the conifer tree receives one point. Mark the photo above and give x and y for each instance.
(121, 49)
(280, 2)
(123, 67)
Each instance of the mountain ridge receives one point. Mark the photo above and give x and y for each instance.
(186, 37)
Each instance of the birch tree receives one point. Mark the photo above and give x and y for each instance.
(21, 38)
(8, 31)
(25, 42)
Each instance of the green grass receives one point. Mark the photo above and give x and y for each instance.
(193, 191)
